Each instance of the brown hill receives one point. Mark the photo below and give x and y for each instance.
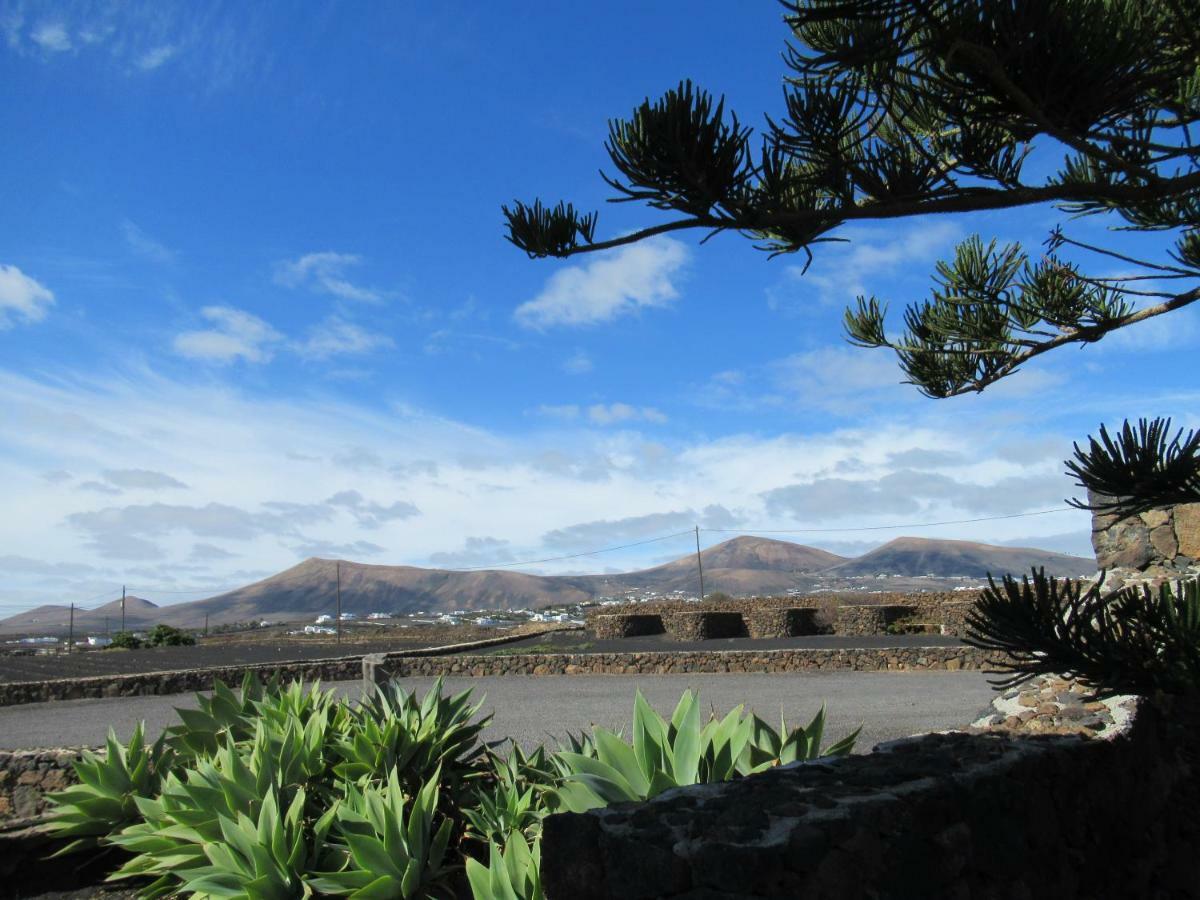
(924, 556)
(55, 618)
(743, 565)
(310, 589)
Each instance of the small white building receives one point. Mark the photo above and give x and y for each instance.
(322, 619)
(376, 616)
(98, 641)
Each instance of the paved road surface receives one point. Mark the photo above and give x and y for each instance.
(532, 709)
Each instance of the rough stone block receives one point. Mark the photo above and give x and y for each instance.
(1187, 529)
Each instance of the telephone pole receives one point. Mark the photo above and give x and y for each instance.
(699, 564)
(71, 630)
(339, 602)
(206, 624)
(122, 607)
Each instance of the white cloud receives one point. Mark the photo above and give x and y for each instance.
(21, 298)
(237, 335)
(155, 57)
(51, 37)
(618, 283)
(324, 272)
(842, 272)
(144, 245)
(602, 413)
(578, 363)
(337, 337)
(615, 413)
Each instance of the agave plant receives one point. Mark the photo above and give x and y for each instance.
(513, 871)
(513, 800)
(105, 800)
(204, 730)
(680, 752)
(377, 848)
(391, 731)
(265, 858)
(186, 817)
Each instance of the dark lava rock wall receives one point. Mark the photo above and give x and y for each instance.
(953, 815)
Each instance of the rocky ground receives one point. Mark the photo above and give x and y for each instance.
(1053, 705)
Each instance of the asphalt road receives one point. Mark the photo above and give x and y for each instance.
(532, 709)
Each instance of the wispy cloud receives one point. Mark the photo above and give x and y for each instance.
(337, 337)
(236, 335)
(325, 273)
(22, 298)
(842, 272)
(51, 37)
(578, 363)
(144, 245)
(602, 413)
(155, 57)
(620, 283)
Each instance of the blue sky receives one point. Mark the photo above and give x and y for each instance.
(256, 305)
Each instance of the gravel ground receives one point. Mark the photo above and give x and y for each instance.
(533, 709)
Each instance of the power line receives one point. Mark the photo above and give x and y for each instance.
(1044, 512)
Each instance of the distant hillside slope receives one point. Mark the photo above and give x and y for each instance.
(922, 556)
(310, 589)
(56, 617)
(742, 566)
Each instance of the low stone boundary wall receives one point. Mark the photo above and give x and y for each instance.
(883, 659)
(944, 815)
(703, 626)
(26, 776)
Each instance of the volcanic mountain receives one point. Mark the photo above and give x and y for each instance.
(55, 618)
(741, 566)
(921, 556)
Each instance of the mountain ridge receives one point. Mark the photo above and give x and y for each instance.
(744, 565)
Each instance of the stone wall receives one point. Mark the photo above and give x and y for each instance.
(1161, 543)
(703, 626)
(946, 609)
(885, 659)
(984, 817)
(627, 625)
(780, 622)
(26, 776)
(861, 620)
(184, 681)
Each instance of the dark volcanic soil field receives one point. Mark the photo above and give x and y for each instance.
(82, 664)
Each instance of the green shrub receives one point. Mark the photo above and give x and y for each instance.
(166, 636)
(105, 800)
(513, 871)
(378, 849)
(126, 640)
(680, 752)
(285, 790)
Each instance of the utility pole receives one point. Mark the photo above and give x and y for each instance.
(339, 601)
(122, 607)
(206, 624)
(699, 564)
(71, 630)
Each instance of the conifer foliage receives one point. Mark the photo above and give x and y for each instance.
(900, 108)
